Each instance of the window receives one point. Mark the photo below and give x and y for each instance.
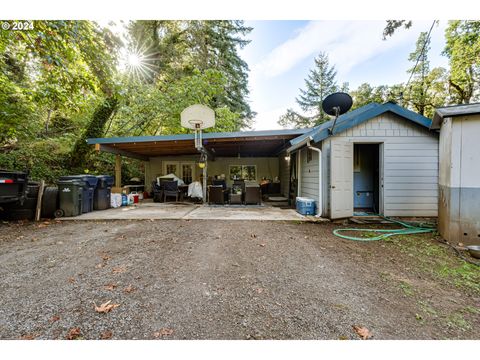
(187, 173)
(309, 155)
(244, 172)
(171, 169)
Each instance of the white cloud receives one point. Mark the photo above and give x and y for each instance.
(348, 43)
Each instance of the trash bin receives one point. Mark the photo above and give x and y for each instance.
(101, 197)
(70, 197)
(90, 183)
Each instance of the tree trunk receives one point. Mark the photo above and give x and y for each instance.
(81, 150)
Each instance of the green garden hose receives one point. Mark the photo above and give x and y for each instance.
(385, 233)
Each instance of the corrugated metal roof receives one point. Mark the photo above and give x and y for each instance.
(206, 136)
(358, 116)
(453, 111)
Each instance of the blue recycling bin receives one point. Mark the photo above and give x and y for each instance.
(102, 194)
(88, 190)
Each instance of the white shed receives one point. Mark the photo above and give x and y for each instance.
(380, 158)
(459, 172)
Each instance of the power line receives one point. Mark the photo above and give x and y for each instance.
(421, 53)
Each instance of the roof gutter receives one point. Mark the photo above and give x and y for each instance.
(299, 145)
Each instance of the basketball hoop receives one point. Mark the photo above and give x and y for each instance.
(197, 117)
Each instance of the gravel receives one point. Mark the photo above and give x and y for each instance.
(201, 279)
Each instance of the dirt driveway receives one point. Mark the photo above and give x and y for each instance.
(200, 279)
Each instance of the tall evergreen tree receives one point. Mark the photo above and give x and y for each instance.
(320, 83)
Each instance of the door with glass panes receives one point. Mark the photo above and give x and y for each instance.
(185, 170)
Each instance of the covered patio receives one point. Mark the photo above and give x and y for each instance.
(255, 156)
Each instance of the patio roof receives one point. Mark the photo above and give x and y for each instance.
(246, 143)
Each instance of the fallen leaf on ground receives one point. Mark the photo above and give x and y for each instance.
(253, 236)
(105, 307)
(262, 245)
(363, 332)
(118, 270)
(110, 287)
(105, 257)
(163, 332)
(28, 337)
(54, 318)
(99, 266)
(106, 335)
(71, 280)
(73, 334)
(259, 290)
(129, 289)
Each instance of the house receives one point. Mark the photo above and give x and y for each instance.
(379, 158)
(459, 172)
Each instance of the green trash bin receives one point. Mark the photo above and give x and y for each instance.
(70, 197)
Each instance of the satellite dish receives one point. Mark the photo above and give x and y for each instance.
(197, 117)
(337, 103)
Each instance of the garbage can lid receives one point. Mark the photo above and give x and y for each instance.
(91, 180)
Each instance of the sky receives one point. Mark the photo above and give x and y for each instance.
(281, 54)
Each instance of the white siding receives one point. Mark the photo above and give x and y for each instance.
(309, 176)
(410, 164)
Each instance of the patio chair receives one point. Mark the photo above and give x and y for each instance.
(216, 194)
(170, 188)
(253, 194)
(157, 192)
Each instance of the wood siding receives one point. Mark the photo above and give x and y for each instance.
(410, 164)
(284, 171)
(309, 176)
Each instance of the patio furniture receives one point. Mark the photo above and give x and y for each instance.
(170, 188)
(157, 192)
(235, 198)
(253, 194)
(216, 194)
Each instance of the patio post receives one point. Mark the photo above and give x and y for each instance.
(118, 171)
(204, 185)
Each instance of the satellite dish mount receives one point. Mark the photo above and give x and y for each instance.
(336, 104)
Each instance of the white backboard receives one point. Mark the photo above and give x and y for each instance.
(197, 117)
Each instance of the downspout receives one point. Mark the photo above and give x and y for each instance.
(306, 142)
(320, 188)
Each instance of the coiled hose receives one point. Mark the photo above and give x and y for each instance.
(385, 233)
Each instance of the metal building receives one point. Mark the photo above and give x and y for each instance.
(459, 172)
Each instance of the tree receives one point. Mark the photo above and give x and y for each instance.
(177, 49)
(463, 52)
(319, 83)
(393, 25)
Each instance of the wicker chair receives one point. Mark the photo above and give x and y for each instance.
(216, 194)
(253, 194)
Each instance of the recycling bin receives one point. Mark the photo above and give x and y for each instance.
(102, 194)
(90, 183)
(70, 197)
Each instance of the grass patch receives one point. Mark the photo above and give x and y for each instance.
(406, 288)
(438, 260)
(457, 321)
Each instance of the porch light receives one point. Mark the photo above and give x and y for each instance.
(201, 164)
(287, 157)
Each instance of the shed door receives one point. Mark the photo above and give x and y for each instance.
(341, 179)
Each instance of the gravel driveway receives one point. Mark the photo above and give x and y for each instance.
(200, 279)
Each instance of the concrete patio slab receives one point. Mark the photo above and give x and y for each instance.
(149, 210)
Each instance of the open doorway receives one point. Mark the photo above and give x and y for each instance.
(366, 175)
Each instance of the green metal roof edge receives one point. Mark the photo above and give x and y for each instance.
(205, 136)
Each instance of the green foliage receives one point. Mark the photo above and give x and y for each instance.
(393, 25)
(463, 51)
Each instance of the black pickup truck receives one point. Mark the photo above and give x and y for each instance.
(13, 186)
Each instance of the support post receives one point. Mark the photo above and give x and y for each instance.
(205, 181)
(38, 209)
(118, 171)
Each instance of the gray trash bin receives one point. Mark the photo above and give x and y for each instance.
(101, 197)
(90, 183)
(70, 197)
